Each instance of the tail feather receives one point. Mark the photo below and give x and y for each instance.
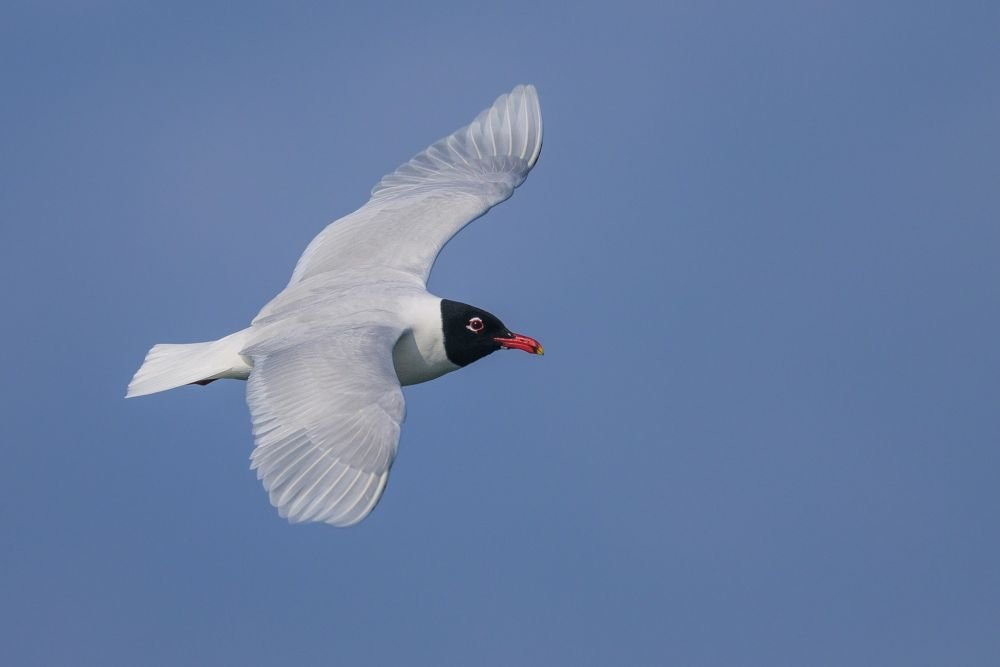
(167, 365)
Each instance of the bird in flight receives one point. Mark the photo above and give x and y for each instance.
(325, 359)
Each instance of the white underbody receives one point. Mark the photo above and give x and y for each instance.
(415, 357)
(418, 356)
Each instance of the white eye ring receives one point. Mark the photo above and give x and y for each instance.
(475, 325)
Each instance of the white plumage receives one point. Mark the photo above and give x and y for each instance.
(326, 357)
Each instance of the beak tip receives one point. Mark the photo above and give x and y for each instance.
(515, 341)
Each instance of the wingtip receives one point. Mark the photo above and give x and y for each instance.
(525, 96)
(510, 128)
(130, 390)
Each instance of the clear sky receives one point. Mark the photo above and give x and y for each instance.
(761, 248)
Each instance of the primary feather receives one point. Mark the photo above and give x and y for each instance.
(415, 210)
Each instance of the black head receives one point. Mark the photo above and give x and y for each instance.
(471, 333)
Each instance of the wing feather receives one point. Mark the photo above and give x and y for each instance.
(326, 418)
(415, 210)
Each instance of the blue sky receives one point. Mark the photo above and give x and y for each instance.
(761, 248)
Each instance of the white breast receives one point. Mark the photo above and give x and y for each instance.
(419, 354)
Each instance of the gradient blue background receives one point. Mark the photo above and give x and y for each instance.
(761, 247)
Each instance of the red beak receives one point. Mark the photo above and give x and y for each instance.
(519, 342)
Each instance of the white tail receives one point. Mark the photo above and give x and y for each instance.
(168, 366)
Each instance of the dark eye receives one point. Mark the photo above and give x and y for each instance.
(475, 325)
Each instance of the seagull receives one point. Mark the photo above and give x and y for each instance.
(325, 360)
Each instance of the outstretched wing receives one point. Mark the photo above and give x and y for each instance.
(326, 417)
(415, 210)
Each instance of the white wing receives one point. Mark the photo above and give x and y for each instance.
(326, 419)
(415, 210)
